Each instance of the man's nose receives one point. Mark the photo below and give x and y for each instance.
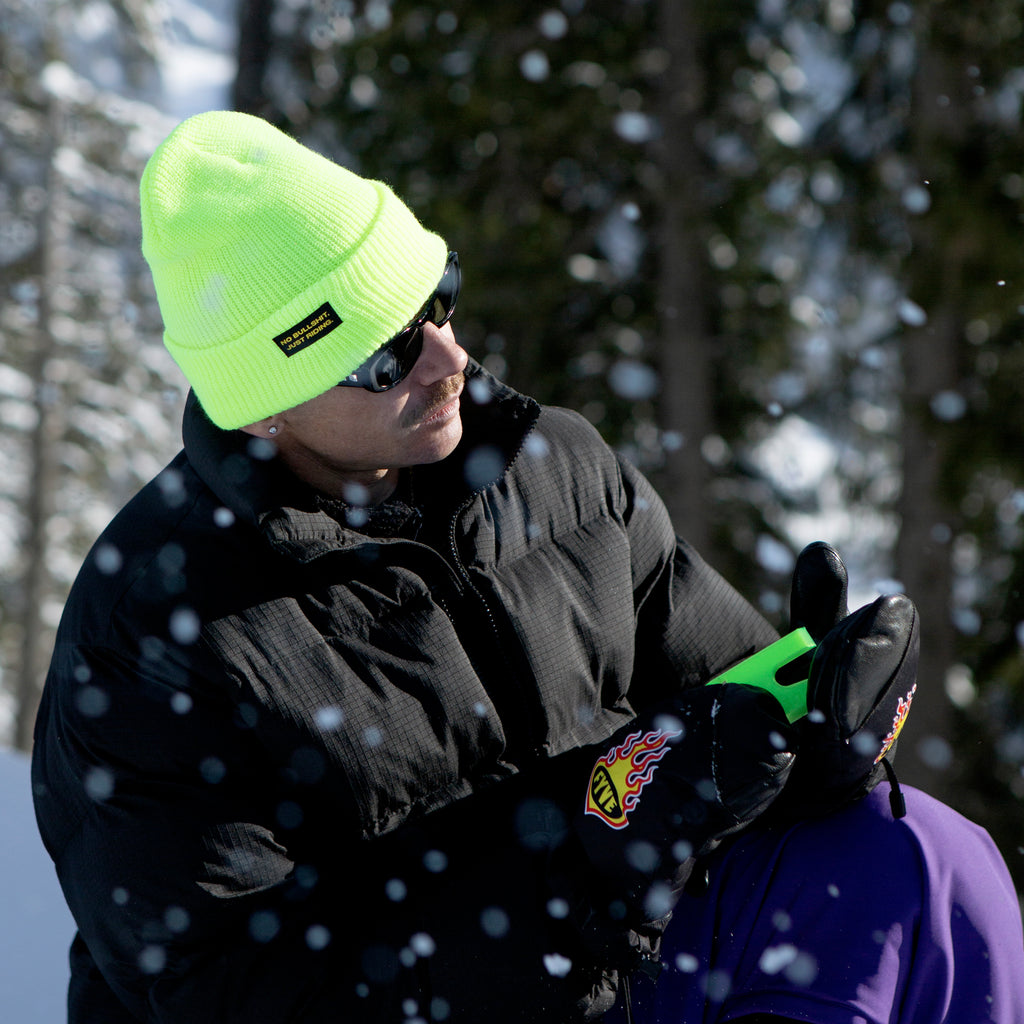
(442, 355)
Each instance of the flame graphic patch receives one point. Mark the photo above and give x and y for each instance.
(902, 710)
(620, 775)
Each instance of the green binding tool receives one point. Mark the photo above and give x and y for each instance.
(781, 669)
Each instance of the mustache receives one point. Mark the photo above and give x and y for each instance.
(436, 399)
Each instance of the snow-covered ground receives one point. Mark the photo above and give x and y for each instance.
(36, 927)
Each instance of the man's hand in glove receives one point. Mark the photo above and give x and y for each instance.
(862, 681)
(666, 789)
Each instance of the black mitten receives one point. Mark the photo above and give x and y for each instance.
(666, 789)
(818, 598)
(862, 681)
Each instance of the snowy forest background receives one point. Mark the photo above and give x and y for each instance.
(773, 250)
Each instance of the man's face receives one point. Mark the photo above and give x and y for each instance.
(351, 436)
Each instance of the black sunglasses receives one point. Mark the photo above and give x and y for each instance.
(393, 361)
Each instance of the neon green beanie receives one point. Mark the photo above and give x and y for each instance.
(277, 271)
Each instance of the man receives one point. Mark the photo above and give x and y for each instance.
(327, 693)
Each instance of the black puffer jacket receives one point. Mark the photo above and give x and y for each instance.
(301, 762)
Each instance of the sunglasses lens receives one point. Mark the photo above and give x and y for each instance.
(437, 313)
(442, 304)
(393, 364)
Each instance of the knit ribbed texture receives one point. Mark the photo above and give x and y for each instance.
(248, 235)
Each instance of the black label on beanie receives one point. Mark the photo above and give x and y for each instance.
(317, 325)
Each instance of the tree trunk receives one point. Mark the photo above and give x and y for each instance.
(686, 401)
(922, 555)
(931, 366)
(254, 37)
(43, 458)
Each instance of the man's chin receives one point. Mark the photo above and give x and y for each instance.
(440, 439)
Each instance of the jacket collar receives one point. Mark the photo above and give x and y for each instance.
(244, 474)
(242, 471)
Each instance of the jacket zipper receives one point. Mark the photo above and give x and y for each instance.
(503, 694)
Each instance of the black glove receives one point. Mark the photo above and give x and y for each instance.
(665, 790)
(862, 681)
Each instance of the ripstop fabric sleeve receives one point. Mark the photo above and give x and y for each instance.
(691, 623)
